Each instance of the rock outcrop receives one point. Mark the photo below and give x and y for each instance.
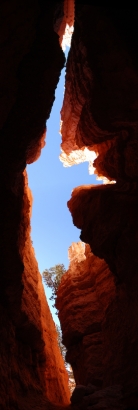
(32, 372)
(84, 295)
(99, 325)
(100, 104)
(98, 297)
(100, 113)
(88, 398)
(64, 21)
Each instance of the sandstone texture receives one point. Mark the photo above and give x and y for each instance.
(99, 325)
(98, 296)
(85, 292)
(32, 372)
(105, 399)
(64, 21)
(100, 113)
(101, 98)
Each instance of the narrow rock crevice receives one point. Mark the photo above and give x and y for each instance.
(99, 312)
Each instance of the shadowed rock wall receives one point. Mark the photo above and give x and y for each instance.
(100, 112)
(100, 103)
(100, 331)
(32, 373)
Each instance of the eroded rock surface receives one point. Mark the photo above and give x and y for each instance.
(101, 99)
(100, 112)
(98, 298)
(89, 399)
(84, 294)
(32, 373)
(107, 217)
(99, 324)
(32, 370)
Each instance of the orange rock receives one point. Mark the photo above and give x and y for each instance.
(84, 294)
(100, 102)
(49, 362)
(98, 309)
(32, 372)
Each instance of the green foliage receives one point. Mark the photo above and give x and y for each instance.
(60, 344)
(52, 278)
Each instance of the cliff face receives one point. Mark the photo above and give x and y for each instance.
(107, 218)
(100, 330)
(100, 103)
(98, 296)
(32, 372)
(85, 292)
(100, 113)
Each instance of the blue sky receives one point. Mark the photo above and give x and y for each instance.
(51, 185)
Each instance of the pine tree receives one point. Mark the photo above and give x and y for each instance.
(52, 278)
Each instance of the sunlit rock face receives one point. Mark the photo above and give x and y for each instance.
(64, 22)
(84, 294)
(40, 362)
(32, 373)
(99, 325)
(100, 113)
(99, 318)
(107, 217)
(76, 252)
(101, 97)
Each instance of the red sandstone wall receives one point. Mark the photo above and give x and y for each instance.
(32, 373)
(65, 15)
(100, 112)
(32, 369)
(49, 363)
(84, 294)
(99, 324)
(100, 103)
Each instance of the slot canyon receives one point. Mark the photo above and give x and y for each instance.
(98, 296)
